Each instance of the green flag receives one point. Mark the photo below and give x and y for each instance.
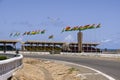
(81, 28)
(92, 26)
(43, 31)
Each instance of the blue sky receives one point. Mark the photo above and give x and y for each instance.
(54, 15)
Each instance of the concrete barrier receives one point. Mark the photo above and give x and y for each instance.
(8, 66)
(93, 54)
(33, 52)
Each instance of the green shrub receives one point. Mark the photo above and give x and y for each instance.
(3, 57)
(71, 70)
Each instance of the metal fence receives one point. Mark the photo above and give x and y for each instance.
(8, 66)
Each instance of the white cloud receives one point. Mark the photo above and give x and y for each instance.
(69, 38)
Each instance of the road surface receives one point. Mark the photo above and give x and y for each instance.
(109, 67)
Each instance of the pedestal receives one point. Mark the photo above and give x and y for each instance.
(79, 37)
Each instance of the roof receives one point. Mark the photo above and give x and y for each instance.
(8, 41)
(59, 43)
(43, 42)
(87, 43)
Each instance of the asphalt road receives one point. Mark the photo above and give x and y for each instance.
(109, 67)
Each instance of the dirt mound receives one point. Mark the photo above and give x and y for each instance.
(34, 69)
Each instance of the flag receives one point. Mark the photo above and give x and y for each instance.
(33, 33)
(98, 26)
(68, 28)
(38, 32)
(43, 31)
(28, 33)
(16, 34)
(63, 29)
(74, 28)
(86, 27)
(81, 28)
(50, 37)
(11, 34)
(92, 26)
(25, 33)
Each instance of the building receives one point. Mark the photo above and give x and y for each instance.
(59, 46)
(8, 45)
(40, 46)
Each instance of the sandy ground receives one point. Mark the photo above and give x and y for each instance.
(34, 69)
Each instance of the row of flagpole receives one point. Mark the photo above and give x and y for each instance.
(67, 28)
(29, 33)
(81, 28)
(14, 34)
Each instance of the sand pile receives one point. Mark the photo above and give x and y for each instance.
(34, 69)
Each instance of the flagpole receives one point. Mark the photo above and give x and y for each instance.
(51, 37)
(53, 47)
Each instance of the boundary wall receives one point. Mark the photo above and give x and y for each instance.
(9, 66)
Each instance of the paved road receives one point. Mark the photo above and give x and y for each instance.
(109, 67)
